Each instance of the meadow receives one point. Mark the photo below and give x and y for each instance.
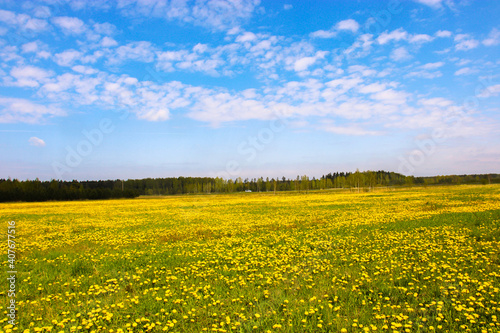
(407, 260)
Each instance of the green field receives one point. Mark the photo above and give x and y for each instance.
(407, 260)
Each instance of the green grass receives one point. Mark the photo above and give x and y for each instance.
(321, 262)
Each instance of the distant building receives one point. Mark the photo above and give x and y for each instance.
(248, 190)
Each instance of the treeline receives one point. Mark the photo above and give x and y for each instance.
(366, 179)
(460, 179)
(36, 190)
(186, 185)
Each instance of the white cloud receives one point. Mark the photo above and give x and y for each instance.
(360, 48)
(167, 59)
(216, 108)
(263, 52)
(108, 42)
(436, 102)
(301, 99)
(323, 34)
(86, 4)
(15, 110)
(372, 88)
(287, 6)
(218, 15)
(31, 47)
(139, 51)
(443, 34)
(9, 53)
(349, 24)
(105, 28)
(462, 62)
(363, 70)
(424, 74)
(246, 37)
(435, 4)
(445, 51)
(464, 42)
(427, 71)
(155, 102)
(490, 91)
(465, 71)
(439, 113)
(37, 47)
(346, 83)
(391, 96)
(303, 63)
(154, 114)
(357, 93)
(400, 54)
(29, 76)
(395, 35)
(23, 21)
(70, 25)
(61, 83)
(8, 17)
(208, 66)
(196, 61)
(493, 38)
(84, 70)
(200, 48)
(432, 65)
(37, 142)
(44, 54)
(467, 45)
(147, 100)
(92, 58)
(420, 39)
(42, 12)
(223, 14)
(35, 24)
(67, 58)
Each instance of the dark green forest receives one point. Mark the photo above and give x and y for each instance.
(36, 190)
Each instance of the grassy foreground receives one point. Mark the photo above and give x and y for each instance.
(414, 260)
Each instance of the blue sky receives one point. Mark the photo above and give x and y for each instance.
(142, 88)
